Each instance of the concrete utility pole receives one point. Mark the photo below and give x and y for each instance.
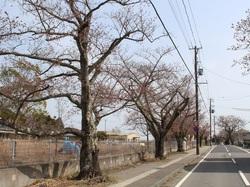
(196, 98)
(210, 120)
(214, 127)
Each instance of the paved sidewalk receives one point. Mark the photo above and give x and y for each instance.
(153, 173)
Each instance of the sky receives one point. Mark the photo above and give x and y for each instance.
(227, 86)
(213, 21)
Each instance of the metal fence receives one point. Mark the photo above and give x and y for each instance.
(23, 152)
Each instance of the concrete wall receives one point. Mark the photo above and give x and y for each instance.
(24, 175)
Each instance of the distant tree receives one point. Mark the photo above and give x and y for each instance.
(184, 125)
(230, 124)
(204, 133)
(157, 92)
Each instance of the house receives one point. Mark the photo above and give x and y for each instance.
(123, 137)
(244, 138)
(47, 125)
(6, 132)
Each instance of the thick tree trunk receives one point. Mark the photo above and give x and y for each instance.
(179, 141)
(89, 163)
(230, 138)
(159, 147)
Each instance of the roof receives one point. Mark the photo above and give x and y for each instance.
(121, 134)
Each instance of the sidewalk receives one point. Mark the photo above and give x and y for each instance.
(153, 173)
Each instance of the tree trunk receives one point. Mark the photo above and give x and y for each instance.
(179, 140)
(159, 147)
(230, 138)
(89, 163)
(201, 138)
(206, 140)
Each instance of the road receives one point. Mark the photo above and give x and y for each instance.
(224, 166)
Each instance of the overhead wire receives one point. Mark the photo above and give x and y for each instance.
(175, 46)
(171, 39)
(179, 24)
(206, 78)
(189, 22)
(204, 103)
(226, 78)
(183, 21)
(232, 99)
(194, 21)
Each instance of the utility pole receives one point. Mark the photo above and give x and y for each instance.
(214, 131)
(196, 99)
(210, 121)
(211, 110)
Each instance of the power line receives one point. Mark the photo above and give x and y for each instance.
(204, 103)
(179, 24)
(195, 25)
(180, 55)
(171, 39)
(206, 77)
(232, 99)
(189, 22)
(182, 20)
(226, 78)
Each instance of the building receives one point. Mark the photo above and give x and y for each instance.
(124, 137)
(6, 132)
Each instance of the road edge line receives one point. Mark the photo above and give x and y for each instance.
(241, 149)
(145, 174)
(190, 172)
(243, 177)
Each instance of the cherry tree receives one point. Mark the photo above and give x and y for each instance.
(70, 41)
(230, 124)
(184, 125)
(156, 91)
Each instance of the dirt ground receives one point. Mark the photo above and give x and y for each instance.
(62, 182)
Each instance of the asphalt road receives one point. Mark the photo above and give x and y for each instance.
(224, 166)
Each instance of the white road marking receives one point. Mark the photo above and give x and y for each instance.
(229, 154)
(190, 172)
(145, 174)
(242, 149)
(226, 148)
(233, 161)
(243, 177)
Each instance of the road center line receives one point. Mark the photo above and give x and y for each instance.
(244, 178)
(233, 161)
(190, 172)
